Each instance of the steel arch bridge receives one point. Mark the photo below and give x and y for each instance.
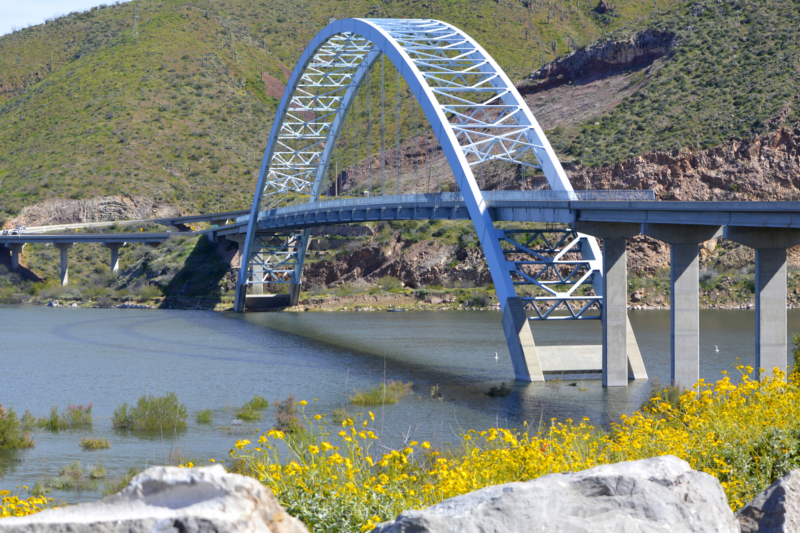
(477, 116)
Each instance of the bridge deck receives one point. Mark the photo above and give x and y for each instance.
(523, 206)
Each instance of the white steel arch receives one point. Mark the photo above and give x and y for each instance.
(474, 109)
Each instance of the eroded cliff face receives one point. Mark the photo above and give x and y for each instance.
(416, 264)
(106, 208)
(600, 60)
(763, 168)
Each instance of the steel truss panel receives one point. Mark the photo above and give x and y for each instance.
(475, 111)
(550, 261)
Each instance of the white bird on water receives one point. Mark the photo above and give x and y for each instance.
(715, 348)
(495, 356)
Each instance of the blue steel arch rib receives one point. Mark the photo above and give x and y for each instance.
(474, 109)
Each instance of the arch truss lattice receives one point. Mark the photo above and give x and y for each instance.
(478, 117)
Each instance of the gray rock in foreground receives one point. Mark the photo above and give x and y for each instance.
(776, 510)
(169, 499)
(652, 495)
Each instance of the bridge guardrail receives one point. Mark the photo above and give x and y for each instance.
(449, 198)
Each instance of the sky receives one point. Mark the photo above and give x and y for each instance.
(15, 14)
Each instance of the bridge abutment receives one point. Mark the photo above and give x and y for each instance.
(770, 245)
(684, 243)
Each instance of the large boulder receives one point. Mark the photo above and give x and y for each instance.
(169, 499)
(652, 495)
(776, 510)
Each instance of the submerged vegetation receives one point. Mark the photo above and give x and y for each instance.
(251, 411)
(12, 433)
(341, 481)
(151, 413)
(95, 444)
(205, 417)
(385, 393)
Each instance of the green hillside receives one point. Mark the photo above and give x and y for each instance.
(734, 73)
(181, 112)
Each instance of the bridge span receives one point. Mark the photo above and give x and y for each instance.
(478, 124)
(318, 147)
(768, 227)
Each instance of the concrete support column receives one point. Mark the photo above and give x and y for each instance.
(771, 343)
(617, 353)
(16, 253)
(519, 338)
(771, 330)
(114, 247)
(684, 314)
(684, 241)
(615, 313)
(64, 247)
(294, 293)
(258, 275)
(241, 285)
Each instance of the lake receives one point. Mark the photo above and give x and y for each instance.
(218, 361)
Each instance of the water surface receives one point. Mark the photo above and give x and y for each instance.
(61, 356)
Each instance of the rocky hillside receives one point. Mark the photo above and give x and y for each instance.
(766, 167)
(103, 209)
(180, 110)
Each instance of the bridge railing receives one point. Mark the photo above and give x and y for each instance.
(449, 198)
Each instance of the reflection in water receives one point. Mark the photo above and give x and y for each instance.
(56, 356)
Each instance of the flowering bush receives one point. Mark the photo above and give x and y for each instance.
(746, 434)
(12, 505)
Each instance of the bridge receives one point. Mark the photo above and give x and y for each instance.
(324, 166)
(60, 236)
(322, 135)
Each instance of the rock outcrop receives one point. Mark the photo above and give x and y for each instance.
(776, 510)
(170, 499)
(652, 495)
(601, 59)
(766, 167)
(106, 208)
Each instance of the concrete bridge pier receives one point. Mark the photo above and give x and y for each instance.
(16, 253)
(684, 243)
(770, 245)
(521, 345)
(64, 247)
(114, 247)
(258, 273)
(615, 306)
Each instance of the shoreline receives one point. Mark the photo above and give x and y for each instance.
(378, 303)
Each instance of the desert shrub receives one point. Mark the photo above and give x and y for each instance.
(389, 283)
(70, 477)
(204, 416)
(148, 292)
(251, 411)
(94, 444)
(385, 393)
(258, 403)
(117, 483)
(97, 472)
(286, 415)
(54, 422)
(340, 414)
(12, 434)
(151, 413)
(499, 392)
(247, 414)
(79, 415)
(710, 427)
